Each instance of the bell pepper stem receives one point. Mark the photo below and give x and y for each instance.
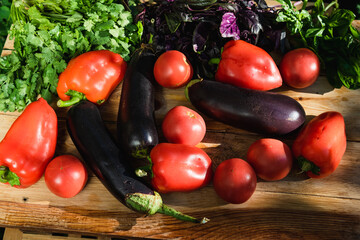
(6, 176)
(306, 165)
(75, 97)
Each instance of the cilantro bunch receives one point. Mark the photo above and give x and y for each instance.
(47, 34)
(328, 31)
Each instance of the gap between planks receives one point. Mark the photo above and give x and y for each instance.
(17, 234)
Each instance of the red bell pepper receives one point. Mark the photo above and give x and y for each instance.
(245, 65)
(28, 145)
(321, 144)
(179, 167)
(93, 76)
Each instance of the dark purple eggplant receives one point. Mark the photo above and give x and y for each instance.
(110, 164)
(137, 132)
(252, 110)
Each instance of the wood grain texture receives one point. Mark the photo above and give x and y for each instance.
(294, 208)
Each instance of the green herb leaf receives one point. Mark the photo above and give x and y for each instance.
(331, 35)
(48, 35)
(173, 21)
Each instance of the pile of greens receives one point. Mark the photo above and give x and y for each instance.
(4, 21)
(48, 34)
(200, 28)
(328, 31)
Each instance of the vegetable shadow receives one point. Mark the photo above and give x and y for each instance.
(226, 145)
(321, 86)
(304, 220)
(105, 221)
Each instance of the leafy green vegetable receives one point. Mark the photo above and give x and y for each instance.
(328, 31)
(4, 21)
(47, 34)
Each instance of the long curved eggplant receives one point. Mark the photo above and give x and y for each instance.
(252, 110)
(109, 163)
(137, 132)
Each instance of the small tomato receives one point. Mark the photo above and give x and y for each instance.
(300, 68)
(172, 69)
(271, 159)
(65, 176)
(183, 125)
(234, 180)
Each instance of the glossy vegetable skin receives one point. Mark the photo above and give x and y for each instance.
(29, 145)
(245, 65)
(234, 180)
(92, 75)
(271, 158)
(321, 144)
(253, 110)
(172, 69)
(136, 126)
(65, 176)
(300, 68)
(183, 125)
(110, 164)
(179, 168)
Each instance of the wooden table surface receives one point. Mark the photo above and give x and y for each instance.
(293, 208)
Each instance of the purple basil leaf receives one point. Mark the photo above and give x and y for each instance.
(228, 26)
(201, 35)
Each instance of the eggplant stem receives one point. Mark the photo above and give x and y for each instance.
(192, 82)
(178, 215)
(142, 171)
(152, 204)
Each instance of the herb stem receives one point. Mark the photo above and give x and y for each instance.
(331, 4)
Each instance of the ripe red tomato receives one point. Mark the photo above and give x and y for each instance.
(179, 167)
(183, 125)
(271, 159)
(234, 180)
(300, 68)
(172, 69)
(65, 176)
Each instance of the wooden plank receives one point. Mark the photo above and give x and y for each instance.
(272, 213)
(18, 234)
(8, 46)
(12, 234)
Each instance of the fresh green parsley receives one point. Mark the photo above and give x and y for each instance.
(48, 34)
